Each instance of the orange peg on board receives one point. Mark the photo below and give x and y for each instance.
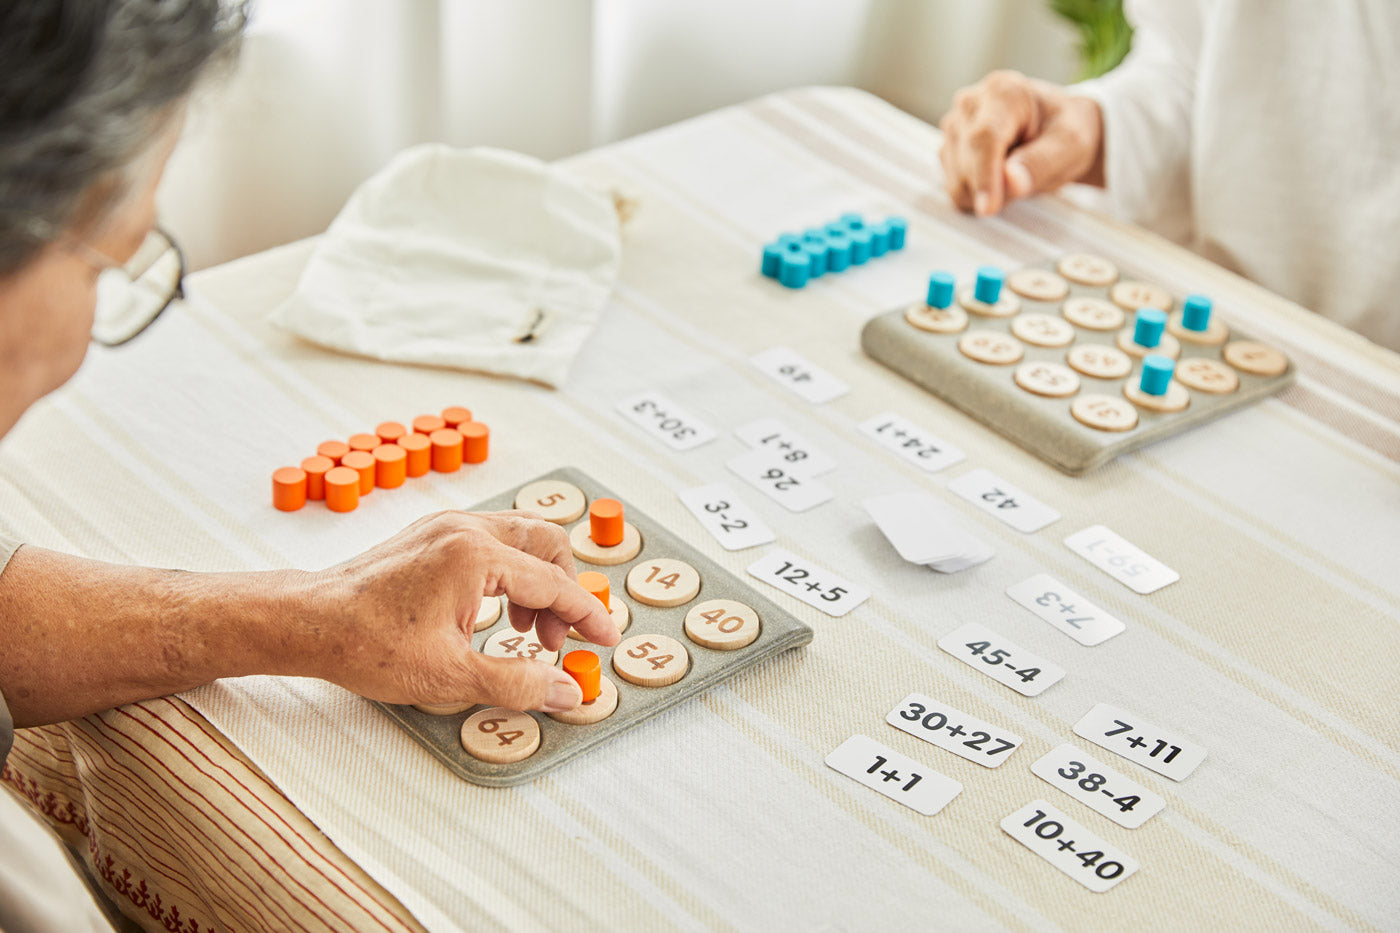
(585, 668)
(605, 524)
(597, 584)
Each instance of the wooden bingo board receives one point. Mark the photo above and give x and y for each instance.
(1049, 357)
(705, 635)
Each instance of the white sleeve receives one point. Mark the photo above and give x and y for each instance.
(1147, 104)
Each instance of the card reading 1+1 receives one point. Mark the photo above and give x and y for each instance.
(732, 523)
(791, 369)
(810, 583)
(1140, 742)
(991, 493)
(663, 418)
(898, 778)
(899, 434)
(1001, 660)
(1065, 609)
(1121, 560)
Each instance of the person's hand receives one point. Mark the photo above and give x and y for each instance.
(1010, 136)
(395, 623)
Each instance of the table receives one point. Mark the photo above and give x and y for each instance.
(269, 803)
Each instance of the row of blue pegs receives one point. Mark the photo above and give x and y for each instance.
(794, 260)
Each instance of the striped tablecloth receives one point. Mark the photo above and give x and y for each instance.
(281, 804)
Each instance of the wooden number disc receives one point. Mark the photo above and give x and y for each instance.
(1007, 305)
(621, 616)
(1257, 359)
(949, 320)
(1167, 346)
(987, 346)
(1048, 379)
(589, 551)
(554, 500)
(1037, 285)
(1130, 296)
(596, 710)
(651, 660)
(508, 643)
(1175, 399)
(1104, 413)
(500, 736)
(487, 615)
(1042, 330)
(1092, 313)
(663, 582)
(1207, 375)
(723, 624)
(1099, 361)
(1087, 269)
(1213, 336)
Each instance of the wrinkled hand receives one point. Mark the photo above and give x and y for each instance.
(395, 623)
(1010, 136)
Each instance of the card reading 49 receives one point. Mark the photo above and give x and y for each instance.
(953, 730)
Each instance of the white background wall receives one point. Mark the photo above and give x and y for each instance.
(327, 90)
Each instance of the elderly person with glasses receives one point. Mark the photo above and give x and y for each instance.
(92, 97)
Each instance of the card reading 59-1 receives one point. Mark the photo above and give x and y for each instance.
(686, 625)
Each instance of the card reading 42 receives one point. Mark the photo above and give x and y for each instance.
(810, 583)
(980, 647)
(953, 730)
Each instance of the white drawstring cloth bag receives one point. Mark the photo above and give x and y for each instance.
(478, 259)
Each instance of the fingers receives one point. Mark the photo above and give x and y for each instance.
(554, 597)
(985, 122)
(517, 684)
(1063, 152)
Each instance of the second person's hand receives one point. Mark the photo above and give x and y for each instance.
(1010, 136)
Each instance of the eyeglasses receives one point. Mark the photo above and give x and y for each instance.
(132, 295)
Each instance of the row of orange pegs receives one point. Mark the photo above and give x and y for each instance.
(340, 472)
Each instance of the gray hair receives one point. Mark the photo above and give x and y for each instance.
(86, 87)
